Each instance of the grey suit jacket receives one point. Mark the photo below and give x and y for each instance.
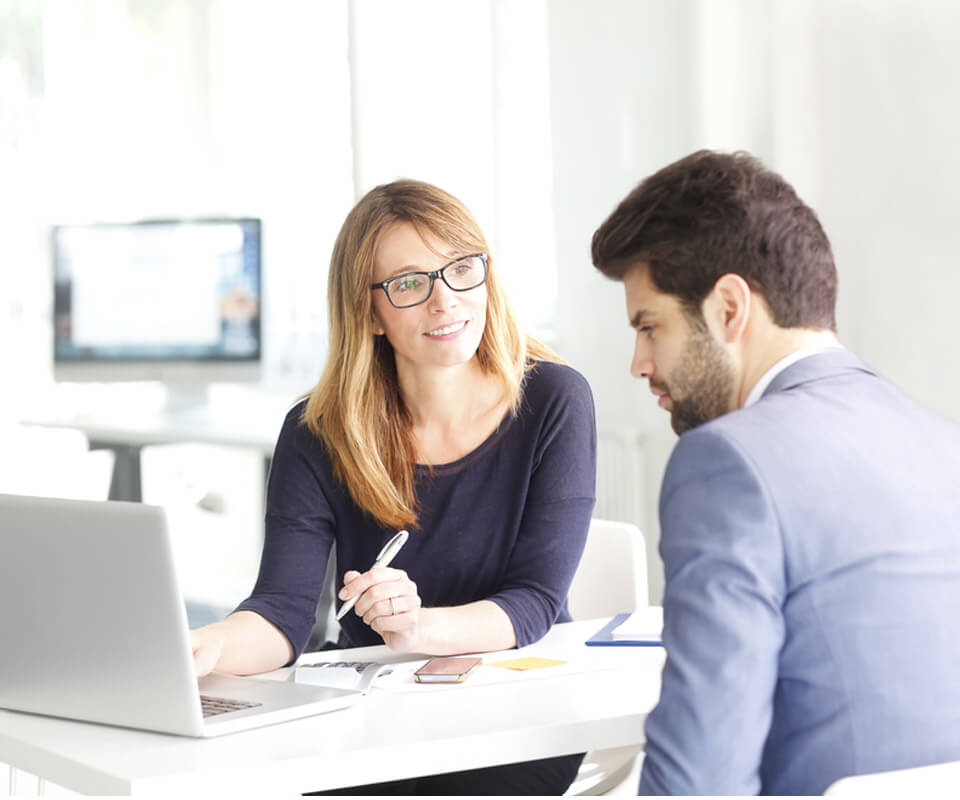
(812, 609)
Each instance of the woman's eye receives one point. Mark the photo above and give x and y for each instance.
(406, 284)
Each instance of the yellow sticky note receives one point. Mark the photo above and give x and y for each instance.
(532, 662)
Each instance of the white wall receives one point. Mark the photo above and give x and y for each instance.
(623, 86)
(889, 89)
(856, 102)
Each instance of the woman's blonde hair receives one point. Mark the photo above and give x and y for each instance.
(356, 407)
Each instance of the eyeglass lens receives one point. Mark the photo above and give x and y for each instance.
(415, 287)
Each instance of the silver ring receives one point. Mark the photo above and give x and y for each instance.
(393, 606)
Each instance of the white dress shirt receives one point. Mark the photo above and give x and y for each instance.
(767, 378)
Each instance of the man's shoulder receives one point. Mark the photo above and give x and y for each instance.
(832, 393)
(811, 428)
(775, 435)
(761, 425)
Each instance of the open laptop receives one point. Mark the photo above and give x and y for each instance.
(93, 627)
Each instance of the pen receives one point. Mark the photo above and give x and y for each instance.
(390, 549)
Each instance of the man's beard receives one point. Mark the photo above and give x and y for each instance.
(701, 387)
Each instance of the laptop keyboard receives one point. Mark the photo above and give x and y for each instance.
(221, 705)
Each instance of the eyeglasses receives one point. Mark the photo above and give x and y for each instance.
(414, 288)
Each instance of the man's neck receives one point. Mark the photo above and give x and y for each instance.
(775, 345)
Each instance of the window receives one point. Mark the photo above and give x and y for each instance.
(285, 110)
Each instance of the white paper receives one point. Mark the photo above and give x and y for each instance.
(644, 624)
(341, 674)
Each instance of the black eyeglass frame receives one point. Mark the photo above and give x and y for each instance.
(437, 273)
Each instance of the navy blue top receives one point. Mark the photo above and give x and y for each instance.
(506, 523)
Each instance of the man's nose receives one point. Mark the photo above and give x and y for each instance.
(642, 364)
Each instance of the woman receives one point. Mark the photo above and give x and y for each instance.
(436, 415)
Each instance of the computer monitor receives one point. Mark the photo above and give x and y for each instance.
(177, 301)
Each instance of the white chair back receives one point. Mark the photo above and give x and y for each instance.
(611, 579)
(934, 780)
(612, 576)
(51, 462)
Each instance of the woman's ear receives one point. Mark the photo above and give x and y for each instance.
(378, 329)
(728, 306)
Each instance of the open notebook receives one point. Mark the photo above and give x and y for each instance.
(643, 627)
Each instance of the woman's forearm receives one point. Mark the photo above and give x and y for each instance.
(250, 644)
(478, 627)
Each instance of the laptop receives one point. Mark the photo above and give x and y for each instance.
(93, 627)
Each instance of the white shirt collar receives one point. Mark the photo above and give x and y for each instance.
(767, 378)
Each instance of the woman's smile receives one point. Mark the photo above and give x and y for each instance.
(447, 331)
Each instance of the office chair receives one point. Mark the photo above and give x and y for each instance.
(611, 579)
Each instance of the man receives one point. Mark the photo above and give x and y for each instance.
(810, 512)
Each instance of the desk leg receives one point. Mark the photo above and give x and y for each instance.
(125, 483)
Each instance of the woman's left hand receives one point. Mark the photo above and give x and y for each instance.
(389, 603)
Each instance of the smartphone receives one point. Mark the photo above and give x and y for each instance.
(446, 670)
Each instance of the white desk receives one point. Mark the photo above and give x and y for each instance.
(235, 418)
(129, 421)
(389, 735)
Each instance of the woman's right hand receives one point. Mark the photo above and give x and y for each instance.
(242, 644)
(207, 645)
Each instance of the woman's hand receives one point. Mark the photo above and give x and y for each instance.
(207, 645)
(389, 603)
(242, 644)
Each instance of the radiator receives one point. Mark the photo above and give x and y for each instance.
(621, 478)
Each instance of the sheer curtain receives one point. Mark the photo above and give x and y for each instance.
(209, 107)
(288, 110)
(458, 94)
(23, 331)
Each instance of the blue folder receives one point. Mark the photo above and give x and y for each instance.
(604, 636)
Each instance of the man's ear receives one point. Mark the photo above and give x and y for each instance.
(728, 306)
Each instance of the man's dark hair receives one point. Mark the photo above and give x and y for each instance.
(713, 213)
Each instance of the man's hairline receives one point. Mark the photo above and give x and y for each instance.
(693, 312)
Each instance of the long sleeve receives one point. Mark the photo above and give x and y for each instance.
(723, 624)
(556, 512)
(299, 534)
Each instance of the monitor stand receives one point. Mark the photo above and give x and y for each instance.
(186, 399)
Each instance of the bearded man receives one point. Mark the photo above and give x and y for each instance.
(810, 511)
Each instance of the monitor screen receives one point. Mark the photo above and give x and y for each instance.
(133, 298)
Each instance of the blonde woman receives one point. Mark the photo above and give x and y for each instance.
(434, 414)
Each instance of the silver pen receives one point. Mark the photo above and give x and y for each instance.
(390, 549)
